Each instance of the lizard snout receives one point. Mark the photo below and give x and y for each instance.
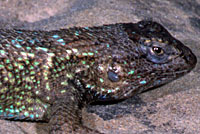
(189, 57)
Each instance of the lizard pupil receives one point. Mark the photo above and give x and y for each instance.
(157, 50)
(112, 76)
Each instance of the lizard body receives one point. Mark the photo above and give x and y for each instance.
(51, 75)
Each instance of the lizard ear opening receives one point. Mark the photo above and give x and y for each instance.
(112, 76)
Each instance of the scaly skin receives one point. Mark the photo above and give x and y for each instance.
(51, 76)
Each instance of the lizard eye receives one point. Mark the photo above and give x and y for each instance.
(112, 76)
(157, 50)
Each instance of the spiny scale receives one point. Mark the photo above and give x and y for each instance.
(35, 64)
(51, 76)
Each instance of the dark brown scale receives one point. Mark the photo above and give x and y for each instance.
(51, 76)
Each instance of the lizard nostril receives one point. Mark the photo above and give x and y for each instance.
(189, 57)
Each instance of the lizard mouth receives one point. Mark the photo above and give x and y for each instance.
(188, 62)
(161, 79)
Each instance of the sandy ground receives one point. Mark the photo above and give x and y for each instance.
(171, 109)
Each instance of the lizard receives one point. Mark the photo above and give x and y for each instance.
(50, 76)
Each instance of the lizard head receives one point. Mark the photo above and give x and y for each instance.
(145, 56)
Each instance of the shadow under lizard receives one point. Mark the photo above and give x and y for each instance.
(51, 75)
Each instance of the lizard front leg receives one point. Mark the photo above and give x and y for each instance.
(66, 117)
